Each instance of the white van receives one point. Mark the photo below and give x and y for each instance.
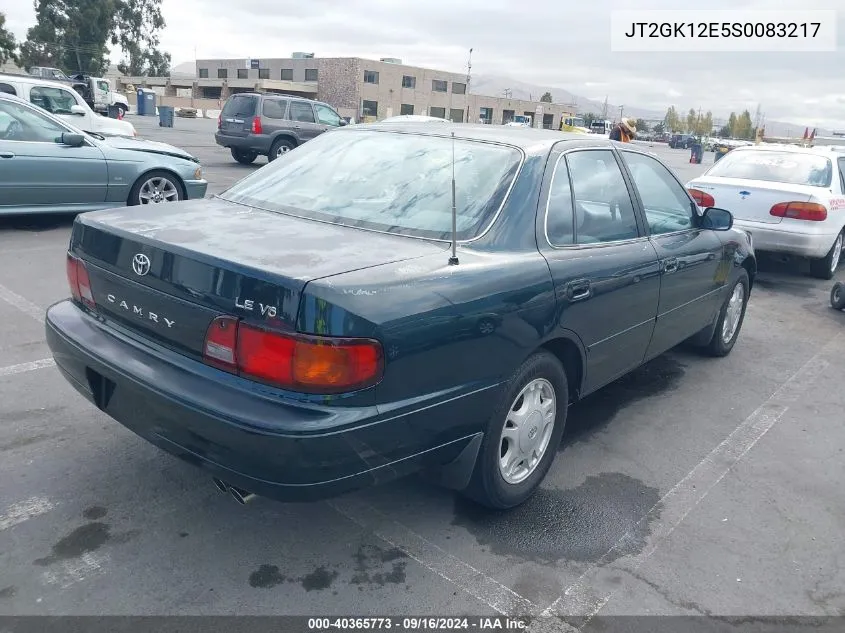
(63, 101)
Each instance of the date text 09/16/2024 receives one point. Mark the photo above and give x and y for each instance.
(421, 623)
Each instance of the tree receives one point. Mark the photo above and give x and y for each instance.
(672, 120)
(642, 126)
(588, 117)
(732, 125)
(725, 132)
(137, 25)
(692, 120)
(8, 45)
(659, 128)
(705, 125)
(546, 98)
(744, 126)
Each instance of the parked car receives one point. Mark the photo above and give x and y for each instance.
(299, 335)
(48, 166)
(253, 124)
(63, 101)
(100, 95)
(681, 141)
(791, 199)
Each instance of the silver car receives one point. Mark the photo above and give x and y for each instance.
(48, 166)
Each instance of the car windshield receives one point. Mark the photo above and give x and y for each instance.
(792, 168)
(386, 181)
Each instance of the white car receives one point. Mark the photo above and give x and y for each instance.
(62, 101)
(413, 118)
(791, 199)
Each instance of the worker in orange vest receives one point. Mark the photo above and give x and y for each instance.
(625, 131)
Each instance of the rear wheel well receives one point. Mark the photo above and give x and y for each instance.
(750, 266)
(285, 137)
(569, 355)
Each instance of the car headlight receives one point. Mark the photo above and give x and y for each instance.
(198, 173)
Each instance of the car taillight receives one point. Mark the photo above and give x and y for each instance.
(702, 199)
(256, 125)
(800, 211)
(298, 362)
(79, 281)
(219, 121)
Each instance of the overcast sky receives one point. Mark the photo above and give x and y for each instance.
(548, 42)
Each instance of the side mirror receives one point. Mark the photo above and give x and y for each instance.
(78, 110)
(343, 123)
(717, 219)
(72, 140)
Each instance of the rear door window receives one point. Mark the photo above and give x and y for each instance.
(274, 108)
(9, 90)
(301, 111)
(240, 106)
(841, 162)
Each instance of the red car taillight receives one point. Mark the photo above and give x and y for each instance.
(256, 126)
(298, 362)
(79, 282)
(220, 121)
(800, 211)
(702, 199)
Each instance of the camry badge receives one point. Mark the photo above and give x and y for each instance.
(141, 264)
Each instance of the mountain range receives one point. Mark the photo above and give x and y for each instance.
(496, 86)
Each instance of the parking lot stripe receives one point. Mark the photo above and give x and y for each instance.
(464, 576)
(24, 305)
(23, 511)
(22, 368)
(584, 598)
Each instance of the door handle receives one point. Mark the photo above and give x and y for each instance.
(6, 155)
(579, 290)
(670, 265)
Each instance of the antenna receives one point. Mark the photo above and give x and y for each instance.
(453, 260)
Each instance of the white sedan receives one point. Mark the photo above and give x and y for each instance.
(791, 199)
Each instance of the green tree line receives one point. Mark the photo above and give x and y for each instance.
(738, 126)
(75, 35)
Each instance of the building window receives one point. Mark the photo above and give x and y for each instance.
(459, 88)
(310, 74)
(507, 116)
(406, 108)
(438, 85)
(222, 73)
(456, 115)
(287, 74)
(485, 115)
(369, 108)
(370, 77)
(243, 73)
(409, 82)
(264, 73)
(440, 113)
(203, 73)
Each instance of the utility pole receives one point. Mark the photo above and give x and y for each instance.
(469, 72)
(604, 110)
(621, 108)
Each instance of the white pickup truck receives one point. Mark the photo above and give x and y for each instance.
(61, 100)
(101, 95)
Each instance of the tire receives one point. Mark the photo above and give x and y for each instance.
(279, 147)
(244, 157)
(123, 109)
(168, 186)
(488, 485)
(718, 345)
(825, 267)
(837, 296)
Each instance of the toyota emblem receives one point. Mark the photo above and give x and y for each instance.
(141, 264)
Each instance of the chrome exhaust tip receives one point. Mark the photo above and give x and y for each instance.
(241, 496)
(221, 485)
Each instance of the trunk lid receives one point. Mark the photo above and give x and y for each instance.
(167, 271)
(751, 199)
(238, 113)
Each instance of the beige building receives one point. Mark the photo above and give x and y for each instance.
(367, 89)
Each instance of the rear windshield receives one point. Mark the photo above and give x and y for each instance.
(386, 181)
(787, 167)
(240, 106)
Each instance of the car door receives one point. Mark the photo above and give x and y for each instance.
(301, 114)
(60, 102)
(694, 263)
(37, 171)
(604, 268)
(327, 117)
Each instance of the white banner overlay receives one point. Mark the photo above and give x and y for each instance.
(723, 31)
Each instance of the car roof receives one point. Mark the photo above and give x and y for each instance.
(29, 79)
(531, 140)
(818, 150)
(275, 95)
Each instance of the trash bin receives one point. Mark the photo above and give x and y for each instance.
(146, 102)
(165, 116)
(696, 153)
(114, 112)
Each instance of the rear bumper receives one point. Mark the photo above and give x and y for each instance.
(786, 238)
(238, 431)
(252, 142)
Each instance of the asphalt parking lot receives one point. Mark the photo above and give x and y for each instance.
(693, 486)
